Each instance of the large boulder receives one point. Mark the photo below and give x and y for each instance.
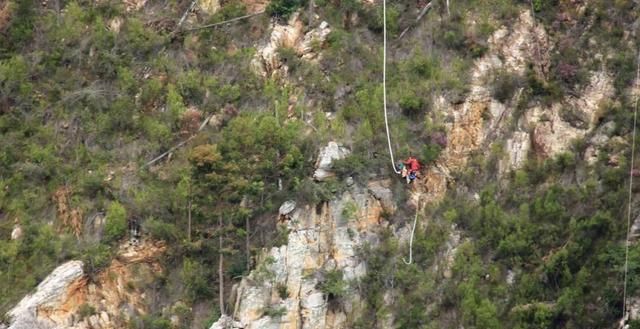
(287, 207)
(333, 151)
(49, 293)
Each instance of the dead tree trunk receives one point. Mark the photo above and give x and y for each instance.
(220, 266)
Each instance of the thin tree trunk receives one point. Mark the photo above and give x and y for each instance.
(310, 13)
(448, 12)
(220, 266)
(276, 113)
(58, 12)
(246, 241)
(189, 215)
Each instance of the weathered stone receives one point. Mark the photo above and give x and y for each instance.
(517, 147)
(16, 233)
(511, 277)
(312, 39)
(267, 63)
(58, 298)
(287, 207)
(349, 181)
(224, 322)
(51, 291)
(381, 191)
(320, 239)
(209, 6)
(333, 151)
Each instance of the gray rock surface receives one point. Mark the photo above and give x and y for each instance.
(333, 151)
(49, 292)
(319, 240)
(287, 207)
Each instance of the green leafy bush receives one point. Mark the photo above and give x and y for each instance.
(275, 311)
(161, 230)
(196, 278)
(375, 20)
(411, 104)
(505, 85)
(86, 310)
(284, 8)
(333, 285)
(95, 258)
(115, 227)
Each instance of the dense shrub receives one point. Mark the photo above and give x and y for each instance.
(411, 104)
(284, 8)
(333, 285)
(505, 85)
(115, 227)
(161, 231)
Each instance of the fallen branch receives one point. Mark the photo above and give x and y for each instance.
(169, 151)
(221, 23)
(179, 145)
(422, 13)
(184, 16)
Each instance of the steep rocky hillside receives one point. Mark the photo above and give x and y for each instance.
(224, 164)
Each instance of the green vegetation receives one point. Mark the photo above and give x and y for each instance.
(284, 8)
(86, 310)
(116, 222)
(91, 92)
(333, 285)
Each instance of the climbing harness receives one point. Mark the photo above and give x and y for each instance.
(384, 82)
(633, 150)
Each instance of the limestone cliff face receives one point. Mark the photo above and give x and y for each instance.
(267, 62)
(325, 239)
(67, 298)
(548, 130)
(321, 239)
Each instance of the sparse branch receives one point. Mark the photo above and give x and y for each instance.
(184, 16)
(221, 23)
(422, 13)
(179, 145)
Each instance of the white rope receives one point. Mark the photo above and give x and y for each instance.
(413, 230)
(633, 150)
(384, 82)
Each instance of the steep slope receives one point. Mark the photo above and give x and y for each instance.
(273, 201)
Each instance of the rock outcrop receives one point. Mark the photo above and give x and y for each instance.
(209, 6)
(555, 128)
(68, 299)
(545, 130)
(333, 151)
(283, 292)
(267, 61)
(54, 290)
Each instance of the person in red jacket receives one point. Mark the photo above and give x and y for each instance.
(412, 166)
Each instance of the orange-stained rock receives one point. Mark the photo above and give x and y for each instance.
(58, 300)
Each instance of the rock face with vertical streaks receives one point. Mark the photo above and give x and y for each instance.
(283, 292)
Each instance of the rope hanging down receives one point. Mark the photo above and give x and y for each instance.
(384, 82)
(413, 231)
(633, 150)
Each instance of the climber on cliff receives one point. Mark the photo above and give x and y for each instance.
(409, 169)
